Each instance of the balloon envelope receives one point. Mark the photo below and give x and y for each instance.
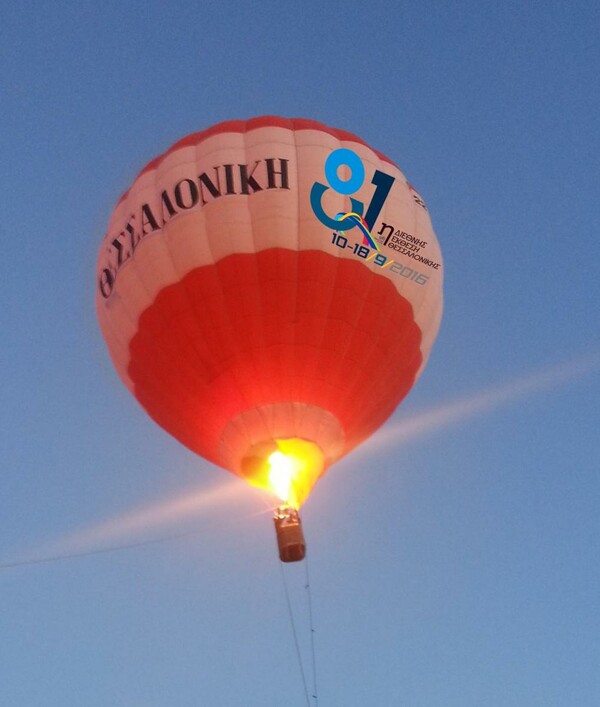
(270, 285)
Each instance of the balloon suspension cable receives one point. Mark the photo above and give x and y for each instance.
(285, 512)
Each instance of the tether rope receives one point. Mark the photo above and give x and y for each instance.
(312, 635)
(293, 624)
(96, 551)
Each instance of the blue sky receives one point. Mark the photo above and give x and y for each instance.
(454, 559)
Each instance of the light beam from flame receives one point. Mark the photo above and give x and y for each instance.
(405, 431)
(148, 517)
(453, 412)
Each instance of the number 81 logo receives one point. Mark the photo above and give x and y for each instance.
(383, 183)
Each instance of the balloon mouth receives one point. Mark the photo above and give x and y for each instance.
(285, 468)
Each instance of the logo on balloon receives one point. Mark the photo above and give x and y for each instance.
(357, 220)
(382, 181)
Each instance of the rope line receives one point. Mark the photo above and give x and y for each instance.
(312, 635)
(59, 557)
(293, 624)
(96, 551)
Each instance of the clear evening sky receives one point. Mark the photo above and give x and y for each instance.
(454, 558)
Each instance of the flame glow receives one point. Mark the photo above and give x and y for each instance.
(287, 468)
(281, 474)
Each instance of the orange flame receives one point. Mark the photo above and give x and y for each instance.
(287, 468)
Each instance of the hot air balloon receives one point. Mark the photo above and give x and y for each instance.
(269, 290)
